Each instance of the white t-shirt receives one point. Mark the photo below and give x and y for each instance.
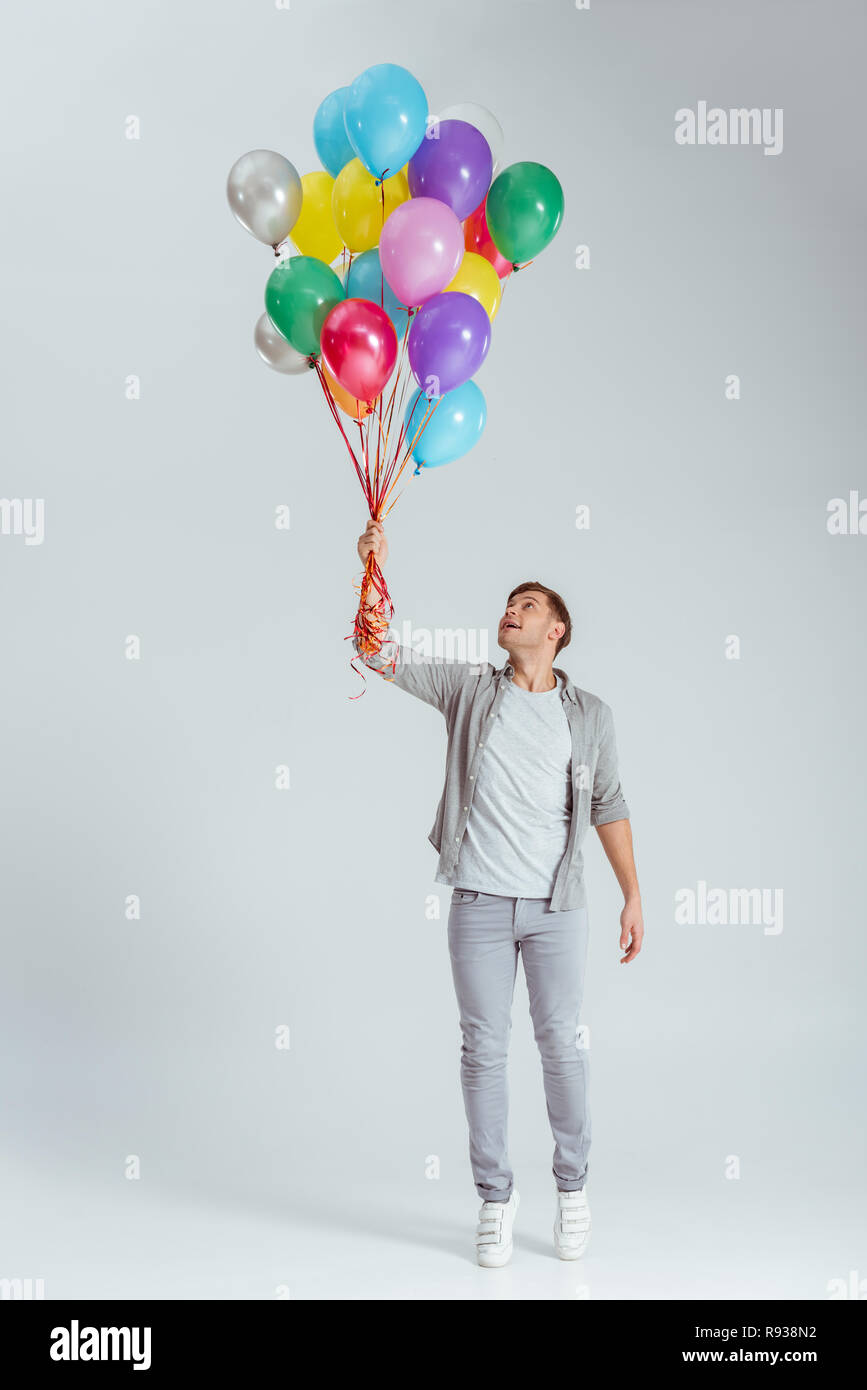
(519, 821)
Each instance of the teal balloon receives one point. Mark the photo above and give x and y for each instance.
(329, 133)
(524, 209)
(365, 280)
(299, 296)
(385, 118)
(455, 425)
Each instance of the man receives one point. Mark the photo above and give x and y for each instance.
(531, 762)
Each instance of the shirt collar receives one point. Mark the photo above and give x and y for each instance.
(508, 672)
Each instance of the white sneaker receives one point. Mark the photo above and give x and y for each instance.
(494, 1232)
(571, 1225)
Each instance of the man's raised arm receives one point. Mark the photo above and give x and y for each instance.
(432, 679)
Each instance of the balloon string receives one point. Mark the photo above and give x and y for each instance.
(373, 615)
(400, 412)
(391, 403)
(409, 452)
(335, 413)
(378, 479)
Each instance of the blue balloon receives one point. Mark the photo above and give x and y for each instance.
(329, 133)
(454, 426)
(385, 118)
(365, 280)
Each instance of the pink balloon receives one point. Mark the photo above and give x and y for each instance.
(420, 250)
(359, 347)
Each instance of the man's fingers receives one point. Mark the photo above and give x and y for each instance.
(630, 942)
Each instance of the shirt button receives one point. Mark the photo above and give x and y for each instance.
(481, 745)
(472, 777)
(457, 839)
(466, 808)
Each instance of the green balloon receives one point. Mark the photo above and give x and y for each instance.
(524, 210)
(299, 296)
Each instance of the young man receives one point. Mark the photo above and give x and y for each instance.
(531, 762)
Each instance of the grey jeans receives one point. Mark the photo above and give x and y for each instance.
(486, 934)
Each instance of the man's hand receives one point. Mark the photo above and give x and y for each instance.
(631, 930)
(373, 540)
(616, 837)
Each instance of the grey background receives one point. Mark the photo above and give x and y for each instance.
(304, 1170)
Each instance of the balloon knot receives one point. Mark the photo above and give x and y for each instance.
(417, 470)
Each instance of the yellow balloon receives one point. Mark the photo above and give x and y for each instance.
(357, 204)
(315, 233)
(477, 277)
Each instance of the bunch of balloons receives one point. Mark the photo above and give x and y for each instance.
(404, 242)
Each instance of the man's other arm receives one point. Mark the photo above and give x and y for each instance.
(610, 815)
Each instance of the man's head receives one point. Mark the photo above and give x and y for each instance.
(536, 621)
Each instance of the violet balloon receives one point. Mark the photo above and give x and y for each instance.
(453, 163)
(420, 249)
(448, 342)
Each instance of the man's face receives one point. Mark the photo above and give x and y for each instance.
(528, 627)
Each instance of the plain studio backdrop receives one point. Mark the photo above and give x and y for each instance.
(155, 1139)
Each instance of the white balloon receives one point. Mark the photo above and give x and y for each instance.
(265, 194)
(483, 120)
(273, 349)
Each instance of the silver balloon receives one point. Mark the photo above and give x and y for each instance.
(483, 120)
(273, 348)
(265, 194)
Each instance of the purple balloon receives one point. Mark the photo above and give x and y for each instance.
(448, 341)
(453, 163)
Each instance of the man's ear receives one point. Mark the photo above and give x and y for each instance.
(558, 631)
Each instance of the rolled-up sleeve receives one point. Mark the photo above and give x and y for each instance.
(607, 802)
(432, 679)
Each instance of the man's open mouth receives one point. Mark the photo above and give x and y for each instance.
(510, 624)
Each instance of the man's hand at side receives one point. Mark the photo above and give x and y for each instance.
(616, 839)
(631, 930)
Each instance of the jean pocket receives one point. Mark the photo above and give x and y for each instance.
(463, 895)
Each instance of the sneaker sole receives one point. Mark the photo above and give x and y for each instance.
(565, 1253)
(496, 1261)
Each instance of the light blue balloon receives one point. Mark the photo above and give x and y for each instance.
(329, 133)
(365, 280)
(455, 425)
(385, 118)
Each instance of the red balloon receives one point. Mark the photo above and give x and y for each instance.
(477, 238)
(359, 347)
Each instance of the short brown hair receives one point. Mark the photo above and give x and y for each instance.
(556, 605)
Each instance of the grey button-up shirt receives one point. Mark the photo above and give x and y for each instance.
(468, 695)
